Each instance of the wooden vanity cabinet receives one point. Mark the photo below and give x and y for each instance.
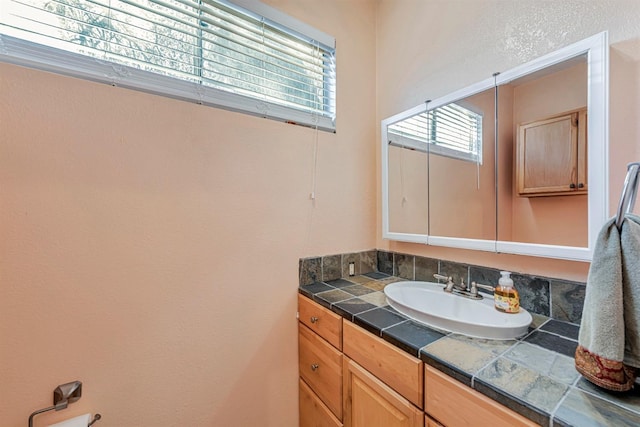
(320, 365)
(375, 384)
(551, 156)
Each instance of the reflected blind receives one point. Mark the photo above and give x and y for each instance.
(450, 130)
(209, 51)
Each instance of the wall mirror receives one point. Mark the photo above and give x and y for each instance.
(462, 178)
(530, 172)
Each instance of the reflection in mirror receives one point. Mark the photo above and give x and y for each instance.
(546, 206)
(462, 168)
(408, 175)
(542, 190)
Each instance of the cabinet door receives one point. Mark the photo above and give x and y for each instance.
(314, 413)
(548, 157)
(371, 403)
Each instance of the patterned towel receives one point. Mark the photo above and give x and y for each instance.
(608, 354)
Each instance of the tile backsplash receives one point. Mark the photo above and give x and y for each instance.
(556, 298)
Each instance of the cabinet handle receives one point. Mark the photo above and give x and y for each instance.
(315, 367)
(572, 185)
(314, 319)
(581, 185)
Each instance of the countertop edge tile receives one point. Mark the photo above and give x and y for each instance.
(515, 404)
(442, 366)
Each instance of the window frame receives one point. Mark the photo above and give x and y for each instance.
(18, 51)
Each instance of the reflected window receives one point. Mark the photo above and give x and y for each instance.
(451, 130)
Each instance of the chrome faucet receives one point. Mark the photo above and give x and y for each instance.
(451, 285)
(461, 288)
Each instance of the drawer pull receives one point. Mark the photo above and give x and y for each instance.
(315, 367)
(314, 319)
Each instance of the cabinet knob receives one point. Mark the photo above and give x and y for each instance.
(572, 185)
(581, 185)
(315, 367)
(314, 319)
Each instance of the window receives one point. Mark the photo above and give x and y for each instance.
(209, 51)
(450, 130)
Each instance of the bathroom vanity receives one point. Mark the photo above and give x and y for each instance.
(363, 364)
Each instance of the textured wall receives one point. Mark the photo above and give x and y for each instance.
(426, 49)
(150, 247)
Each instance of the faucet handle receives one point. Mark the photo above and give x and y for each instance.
(441, 277)
(448, 287)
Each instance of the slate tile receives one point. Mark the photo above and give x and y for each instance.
(410, 336)
(528, 385)
(567, 300)
(586, 410)
(310, 270)
(349, 308)
(377, 275)
(368, 261)
(425, 268)
(376, 320)
(385, 264)
(553, 342)
(403, 266)
(568, 330)
(314, 288)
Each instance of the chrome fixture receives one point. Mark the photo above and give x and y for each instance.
(629, 193)
(459, 289)
(474, 288)
(63, 395)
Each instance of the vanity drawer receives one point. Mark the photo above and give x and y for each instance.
(322, 321)
(397, 369)
(455, 404)
(321, 368)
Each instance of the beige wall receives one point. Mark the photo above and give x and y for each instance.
(427, 49)
(408, 191)
(149, 247)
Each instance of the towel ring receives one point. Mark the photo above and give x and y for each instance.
(629, 193)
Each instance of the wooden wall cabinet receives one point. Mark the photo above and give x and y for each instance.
(551, 156)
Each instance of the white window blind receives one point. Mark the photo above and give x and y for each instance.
(450, 130)
(209, 51)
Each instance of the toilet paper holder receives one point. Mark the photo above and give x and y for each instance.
(63, 395)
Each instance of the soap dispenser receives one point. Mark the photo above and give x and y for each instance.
(505, 296)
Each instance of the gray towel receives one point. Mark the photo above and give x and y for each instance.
(609, 338)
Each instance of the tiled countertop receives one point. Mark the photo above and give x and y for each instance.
(534, 375)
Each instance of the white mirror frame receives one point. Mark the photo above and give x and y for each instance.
(597, 50)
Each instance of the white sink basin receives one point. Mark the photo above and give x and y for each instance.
(427, 303)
